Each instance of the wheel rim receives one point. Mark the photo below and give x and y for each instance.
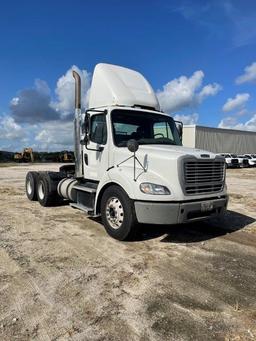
(114, 213)
(29, 187)
(41, 190)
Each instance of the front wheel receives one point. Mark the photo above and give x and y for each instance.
(118, 214)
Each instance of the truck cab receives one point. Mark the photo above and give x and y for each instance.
(130, 164)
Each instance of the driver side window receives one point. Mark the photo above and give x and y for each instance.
(98, 132)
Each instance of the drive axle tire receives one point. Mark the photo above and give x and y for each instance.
(118, 214)
(47, 189)
(31, 185)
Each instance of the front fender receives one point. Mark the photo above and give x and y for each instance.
(117, 176)
(114, 176)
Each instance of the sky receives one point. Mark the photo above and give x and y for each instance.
(199, 56)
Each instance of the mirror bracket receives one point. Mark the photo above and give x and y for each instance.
(133, 146)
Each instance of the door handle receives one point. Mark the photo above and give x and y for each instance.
(86, 159)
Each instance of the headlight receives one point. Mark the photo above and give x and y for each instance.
(149, 188)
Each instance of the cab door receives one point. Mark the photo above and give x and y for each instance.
(95, 151)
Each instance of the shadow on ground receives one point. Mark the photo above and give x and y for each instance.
(198, 231)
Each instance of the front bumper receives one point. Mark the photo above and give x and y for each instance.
(180, 212)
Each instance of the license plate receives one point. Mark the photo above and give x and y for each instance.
(206, 206)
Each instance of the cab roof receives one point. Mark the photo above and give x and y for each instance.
(114, 85)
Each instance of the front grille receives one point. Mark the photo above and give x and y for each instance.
(234, 161)
(203, 177)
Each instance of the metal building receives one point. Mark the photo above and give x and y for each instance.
(219, 140)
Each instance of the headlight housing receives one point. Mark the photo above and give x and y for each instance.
(149, 188)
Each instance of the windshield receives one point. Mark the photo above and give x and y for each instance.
(145, 127)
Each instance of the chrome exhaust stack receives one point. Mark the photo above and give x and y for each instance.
(77, 127)
(77, 90)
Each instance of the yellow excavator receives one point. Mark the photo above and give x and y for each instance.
(25, 156)
(66, 156)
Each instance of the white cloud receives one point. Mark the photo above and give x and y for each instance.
(10, 130)
(46, 121)
(228, 122)
(231, 122)
(249, 74)
(42, 87)
(185, 92)
(55, 135)
(187, 119)
(36, 104)
(242, 112)
(209, 90)
(65, 91)
(15, 101)
(236, 103)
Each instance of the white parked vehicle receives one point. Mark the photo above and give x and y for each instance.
(231, 162)
(243, 162)
(251, 159)
(130, 164)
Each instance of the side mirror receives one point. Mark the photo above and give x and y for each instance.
(132, 145)
(87, 123)
(86, 128)
(179, 126)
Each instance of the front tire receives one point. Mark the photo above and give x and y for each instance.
(118, 214)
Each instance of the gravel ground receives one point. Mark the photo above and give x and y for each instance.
(63, 278)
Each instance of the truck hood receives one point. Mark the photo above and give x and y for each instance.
(174, 151)
(163, 164)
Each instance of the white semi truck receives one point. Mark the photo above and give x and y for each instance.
(130, 165)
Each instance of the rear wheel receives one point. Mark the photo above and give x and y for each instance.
(31, 185)
(47, 189)
(118, 214)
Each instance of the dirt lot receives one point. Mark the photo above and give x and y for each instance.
(63, 278)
